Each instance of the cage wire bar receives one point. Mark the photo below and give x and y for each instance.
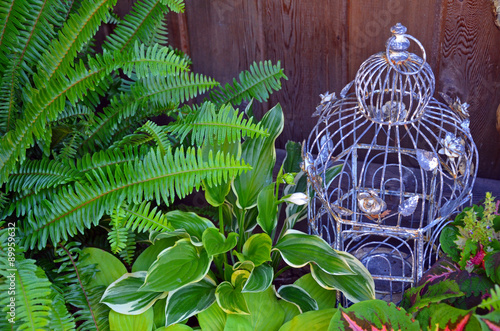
(387, 165)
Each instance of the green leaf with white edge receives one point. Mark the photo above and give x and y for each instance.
(260, 279)
(230, 299)
(260, 154)
(268, 209)
(150, 254)
(215, 243)
(189, 300)
(257, 249)
(122, 322)
(159, 311)
(299, 249)
(265, 313)
(212, 319)
(175, 327)
(325, 298)
(109, 266)
(357, 287)
(192, 223)
(125, 296)
(312, 320)
(177, 266)
(291, 310)
(298, 296)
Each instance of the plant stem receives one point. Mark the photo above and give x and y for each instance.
(221, 221)
(241, 229)
(281, 271)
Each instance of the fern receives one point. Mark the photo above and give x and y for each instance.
(209, 125)
(258, 83)
(31, 291)
(155, 177)
(90, 314)
(142, 218)
(128, 251)
(158, 134)
(493, 302)
(60, 318)
(118, 235)
(109, 158)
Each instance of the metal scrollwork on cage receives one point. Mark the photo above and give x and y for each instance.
(408, 162)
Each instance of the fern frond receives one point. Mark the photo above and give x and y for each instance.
(77, 31)
(493, 302)
(31, 292)
(134, 139)
(258, 83)
(60, 318)
(117, 237)
(9, 102)
(144, 17)
(35, 175)
(160, 35)
(158, 134)
(209, 125)
(25, 202)
(9, 23)
(156, 177)
(110, 158)
(128, 251)
(176, 6)
(154, 93)
(89, 314)
(71, 112)
(142, 218)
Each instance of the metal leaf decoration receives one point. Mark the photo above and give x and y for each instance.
(370, 203)
(408, 206)
(427, 160)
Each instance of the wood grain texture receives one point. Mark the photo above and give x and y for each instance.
(470, 69)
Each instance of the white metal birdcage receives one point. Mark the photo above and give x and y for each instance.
(406, 163)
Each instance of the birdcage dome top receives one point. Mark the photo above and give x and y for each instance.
(394, 87)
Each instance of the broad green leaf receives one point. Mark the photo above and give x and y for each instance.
(146, 258)
(265, 313)
(177, 266)
(260, 279)
(312, 320)
(215, 243)
(258, 249)
(299, 249)
(230, 299)
(189, 300)
(125, 296)
(356, 287)
(372, 315)
(260, 154)
(419, 297)
(325, 298)
(212, 319)
(490, 321)
(175, 327)
(159, 311)
(122, 322)
(268, 209)
(291, 310)
(109, 266)
(296, 213)
(192, 223)
(298, 296)
(293, 157)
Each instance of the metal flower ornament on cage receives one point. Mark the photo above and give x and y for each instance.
(388, 164)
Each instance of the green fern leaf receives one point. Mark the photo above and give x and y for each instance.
(89, 314)
(9, 103)
(258, 83)
(117, 237)
(60, 318)
(139, 25)
(134, 139)
(158, 134)
(128, 251)
(175, 5)
(493, 302)
(155, 177)
(110, 158)
(77, 31)
(35, 175)
(31, 290)
(210, 125)
(142, 218)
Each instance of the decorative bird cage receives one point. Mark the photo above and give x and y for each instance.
(387, 165)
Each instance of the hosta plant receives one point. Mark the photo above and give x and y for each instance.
(223, 275)
(78, 153)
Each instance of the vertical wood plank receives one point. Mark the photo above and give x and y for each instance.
(470, 69)
(309, 39)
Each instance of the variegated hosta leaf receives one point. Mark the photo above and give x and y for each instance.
(193, 224)
(311, 320)
(110, 268)
(230, 299)
(356, 287)
(177, 266)
(299, 249)
(149, 255)
(125, 296)
(298, 296)
(257, 249)
(268, 209)
(372, 315)
(189, 300)
(260, 279)
(215, 243)
(325, 298)
(212, 319)
(140, 322)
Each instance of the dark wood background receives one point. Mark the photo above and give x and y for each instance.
(321, 44)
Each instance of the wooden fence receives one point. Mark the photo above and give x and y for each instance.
(322, 43)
